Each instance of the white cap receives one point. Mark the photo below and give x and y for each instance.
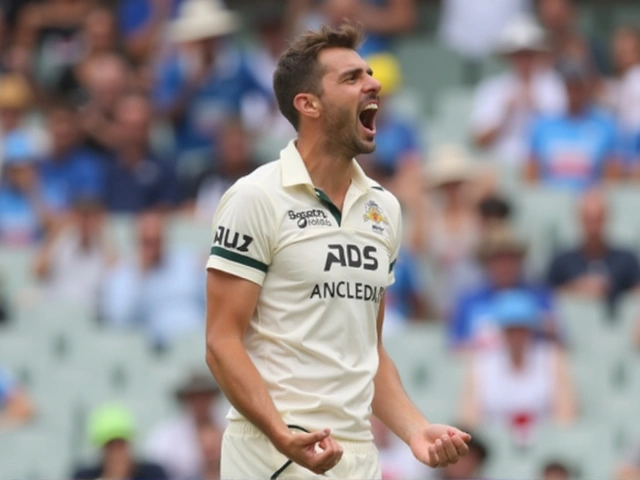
(198, 19)
(450, 163)
(522, 33)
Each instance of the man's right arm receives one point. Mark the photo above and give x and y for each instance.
(231, 301)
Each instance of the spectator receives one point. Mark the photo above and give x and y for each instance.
(142, 24)
(576, 150)
(520, 382)
(15, 405)
(111, 428)
(469, 467)
(205, 81)
(473, 30)
(257, 110)
(16, 100)
(52, 31)
(501, 254)
(382, 19)
(99, 38)
(178, 444)
(595, 268)
(396, 460)
(160, 292)
(405, 300)
(69, 170)
(73, 260)
(624, 91)
(137, 179)
(210, 443)
(450, 237)
(556, 470)
(397, 151)
(234, 160)
(103, 82)
(559, 18)
(24, 216)
(506, 105)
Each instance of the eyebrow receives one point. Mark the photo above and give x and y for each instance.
(357, 70)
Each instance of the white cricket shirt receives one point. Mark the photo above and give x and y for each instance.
(313, 336)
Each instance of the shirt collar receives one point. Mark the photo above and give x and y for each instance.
(294, 171)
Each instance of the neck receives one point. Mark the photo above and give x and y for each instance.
(577, 110)
(132, 154)
(329, 168)
(517, 359)
(594, 247)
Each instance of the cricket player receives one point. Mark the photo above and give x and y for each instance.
(303, 250)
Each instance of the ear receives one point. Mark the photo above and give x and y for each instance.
(307, 104)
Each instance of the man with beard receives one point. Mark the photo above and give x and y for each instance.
(303, 251)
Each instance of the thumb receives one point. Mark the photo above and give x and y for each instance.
(464, 435)
(313, 437)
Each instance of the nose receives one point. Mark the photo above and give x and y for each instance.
(372, 85)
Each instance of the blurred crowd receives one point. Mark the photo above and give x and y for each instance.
(150, 109)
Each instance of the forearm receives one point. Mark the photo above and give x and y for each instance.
(244, 387)
(391, 403)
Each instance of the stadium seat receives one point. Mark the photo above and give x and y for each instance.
(432, 378)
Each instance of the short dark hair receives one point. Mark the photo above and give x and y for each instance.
(298, 69)
(494, 207)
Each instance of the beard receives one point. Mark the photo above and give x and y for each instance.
(340, 126)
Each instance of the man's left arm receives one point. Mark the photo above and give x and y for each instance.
(433, 444)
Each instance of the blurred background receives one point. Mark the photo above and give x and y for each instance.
(510, 132)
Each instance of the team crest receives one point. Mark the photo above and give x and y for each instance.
(373, 212)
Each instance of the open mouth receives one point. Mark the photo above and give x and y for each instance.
(367, 117)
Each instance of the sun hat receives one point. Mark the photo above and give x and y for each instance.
(110, 422)
(18, 149)
(449, 164)
(386, 69)
(515, 308)
(198, 19)
(523, 33)
(15, 92)
(197, 383)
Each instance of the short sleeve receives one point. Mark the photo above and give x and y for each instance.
(488, 106)
(7, 386)
(396, 243)
(243, 233)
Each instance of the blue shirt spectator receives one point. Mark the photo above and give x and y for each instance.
(136, 179)
(68, 171)
(473, 321)
(161, 291)
(136, 15)
(502, 255)
(15, 405)
(577, 150)
(7, 387)
(22, 207)
(572, 152)
(142, 185)
(198, 88)
(403, 298)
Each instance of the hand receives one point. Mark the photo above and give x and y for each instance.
(301, 449)
(439, 445)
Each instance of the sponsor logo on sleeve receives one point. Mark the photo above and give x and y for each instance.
(224, 237)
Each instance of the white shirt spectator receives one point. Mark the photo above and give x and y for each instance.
(175, 446)
(627, 100)
(472, 29)
(493, 100)
(76, 273)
